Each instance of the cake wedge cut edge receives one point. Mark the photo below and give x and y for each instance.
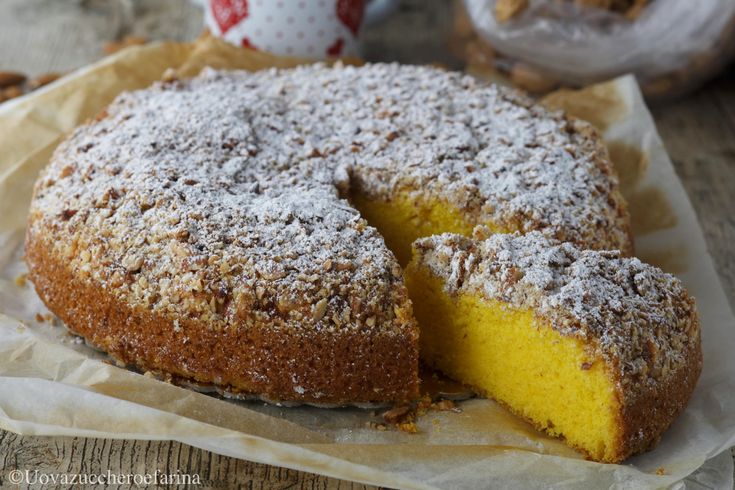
(598, 349)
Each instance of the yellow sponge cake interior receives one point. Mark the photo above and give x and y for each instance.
(511, 355)
(404, 219)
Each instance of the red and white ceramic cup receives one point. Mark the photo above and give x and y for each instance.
(306, 28)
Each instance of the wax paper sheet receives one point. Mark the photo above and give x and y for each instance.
(53, 384)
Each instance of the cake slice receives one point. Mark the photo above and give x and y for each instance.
(601, 350)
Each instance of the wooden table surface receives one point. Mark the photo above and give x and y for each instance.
(44, 35)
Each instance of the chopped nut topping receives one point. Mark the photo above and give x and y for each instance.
(320, 308)
(132, 263)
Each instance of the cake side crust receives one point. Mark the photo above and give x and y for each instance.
(644, 418)
(279, 364)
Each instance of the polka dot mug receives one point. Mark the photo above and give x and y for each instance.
(306, 28)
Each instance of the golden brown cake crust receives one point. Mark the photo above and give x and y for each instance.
(276, 365)
(639, 320)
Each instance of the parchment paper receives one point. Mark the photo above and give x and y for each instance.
(51, 384)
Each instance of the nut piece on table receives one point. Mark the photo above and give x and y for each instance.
(11, 92)
(10, 78)
(506, 9)
(42, 80)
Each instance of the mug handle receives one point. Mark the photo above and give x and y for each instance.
(377, 10)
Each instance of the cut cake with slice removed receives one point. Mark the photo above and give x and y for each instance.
(596, 348)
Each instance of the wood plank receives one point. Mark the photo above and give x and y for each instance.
(75, 455)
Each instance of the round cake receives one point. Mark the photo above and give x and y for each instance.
(215, 229)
